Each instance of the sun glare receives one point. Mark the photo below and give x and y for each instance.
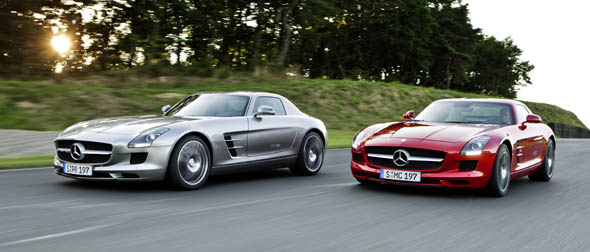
(61, 43)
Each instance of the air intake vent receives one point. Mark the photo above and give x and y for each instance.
(468, 165)
(427, 159)
(230, 146)
(92, 152)
(138, 158)
(357, 157)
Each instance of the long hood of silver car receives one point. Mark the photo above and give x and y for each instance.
(129, 125)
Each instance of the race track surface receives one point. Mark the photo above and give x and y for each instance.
(274, 211)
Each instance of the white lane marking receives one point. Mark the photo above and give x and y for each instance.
(25, 169)
(248, 203)
(45, 237)
(61, 203)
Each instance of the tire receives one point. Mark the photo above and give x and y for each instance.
(311, 155)
(500, 179)
(546, 171)
(190, 163)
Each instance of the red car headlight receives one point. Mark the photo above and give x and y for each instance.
(359, 138)
(475, 146)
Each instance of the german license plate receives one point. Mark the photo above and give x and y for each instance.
(81, 170)
(409, 176)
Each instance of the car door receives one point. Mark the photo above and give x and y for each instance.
(527, 146)
(269, 134)
(539, 140)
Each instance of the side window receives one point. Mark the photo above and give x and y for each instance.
(273, 102)
(521, 113)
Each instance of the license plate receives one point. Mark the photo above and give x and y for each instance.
(409, 176)
(81, 170)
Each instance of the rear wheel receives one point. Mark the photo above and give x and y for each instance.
(500, 178)
(546, 171)
(190, 163)
(311, 155)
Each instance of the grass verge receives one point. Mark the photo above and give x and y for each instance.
(340, 138)
(342, 104)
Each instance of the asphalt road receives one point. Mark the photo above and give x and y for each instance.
(18, 143)
(274, 211)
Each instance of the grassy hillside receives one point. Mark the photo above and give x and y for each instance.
(344, 105)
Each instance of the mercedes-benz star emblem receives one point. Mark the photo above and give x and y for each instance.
(77, 151)
(401, 157)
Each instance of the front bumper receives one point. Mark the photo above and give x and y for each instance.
(120, 167)
(447, 175)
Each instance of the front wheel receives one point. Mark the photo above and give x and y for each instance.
(311, 155)
(190, 163)
(546, 171)
(500, 178)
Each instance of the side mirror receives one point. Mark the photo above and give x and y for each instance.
(533, 119)
(264, 110)
(165, 109)
(409, 115)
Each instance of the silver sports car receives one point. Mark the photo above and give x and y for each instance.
(203, 134)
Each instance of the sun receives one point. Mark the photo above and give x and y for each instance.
(61, 43)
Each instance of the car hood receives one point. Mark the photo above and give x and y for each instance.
(128, 125)
(443, 132)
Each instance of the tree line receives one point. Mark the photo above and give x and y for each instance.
(422, 42)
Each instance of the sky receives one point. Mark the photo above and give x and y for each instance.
(555, 37)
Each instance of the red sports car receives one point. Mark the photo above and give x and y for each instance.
(457, 143)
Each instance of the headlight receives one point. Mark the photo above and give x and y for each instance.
(358, 139)
(475, 146)
(146, 139)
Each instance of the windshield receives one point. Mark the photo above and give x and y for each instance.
(467, 112)
(218, 105)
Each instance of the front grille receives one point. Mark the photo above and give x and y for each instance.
(413, 165)
(412, 151)
(89, 146)
(88, 158)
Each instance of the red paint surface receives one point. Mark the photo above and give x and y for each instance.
(529, 139)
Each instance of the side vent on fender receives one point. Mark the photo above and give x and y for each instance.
(233, 145)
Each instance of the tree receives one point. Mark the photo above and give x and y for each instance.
(285, 37)
(497, 69)
(25, 39)
(453, 43)
(419, 42)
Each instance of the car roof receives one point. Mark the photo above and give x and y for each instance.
(494, 100)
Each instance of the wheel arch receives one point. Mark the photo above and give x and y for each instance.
(508, 144)
(202, 136)
(192, 133)
(552, 137)
(319, 132)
